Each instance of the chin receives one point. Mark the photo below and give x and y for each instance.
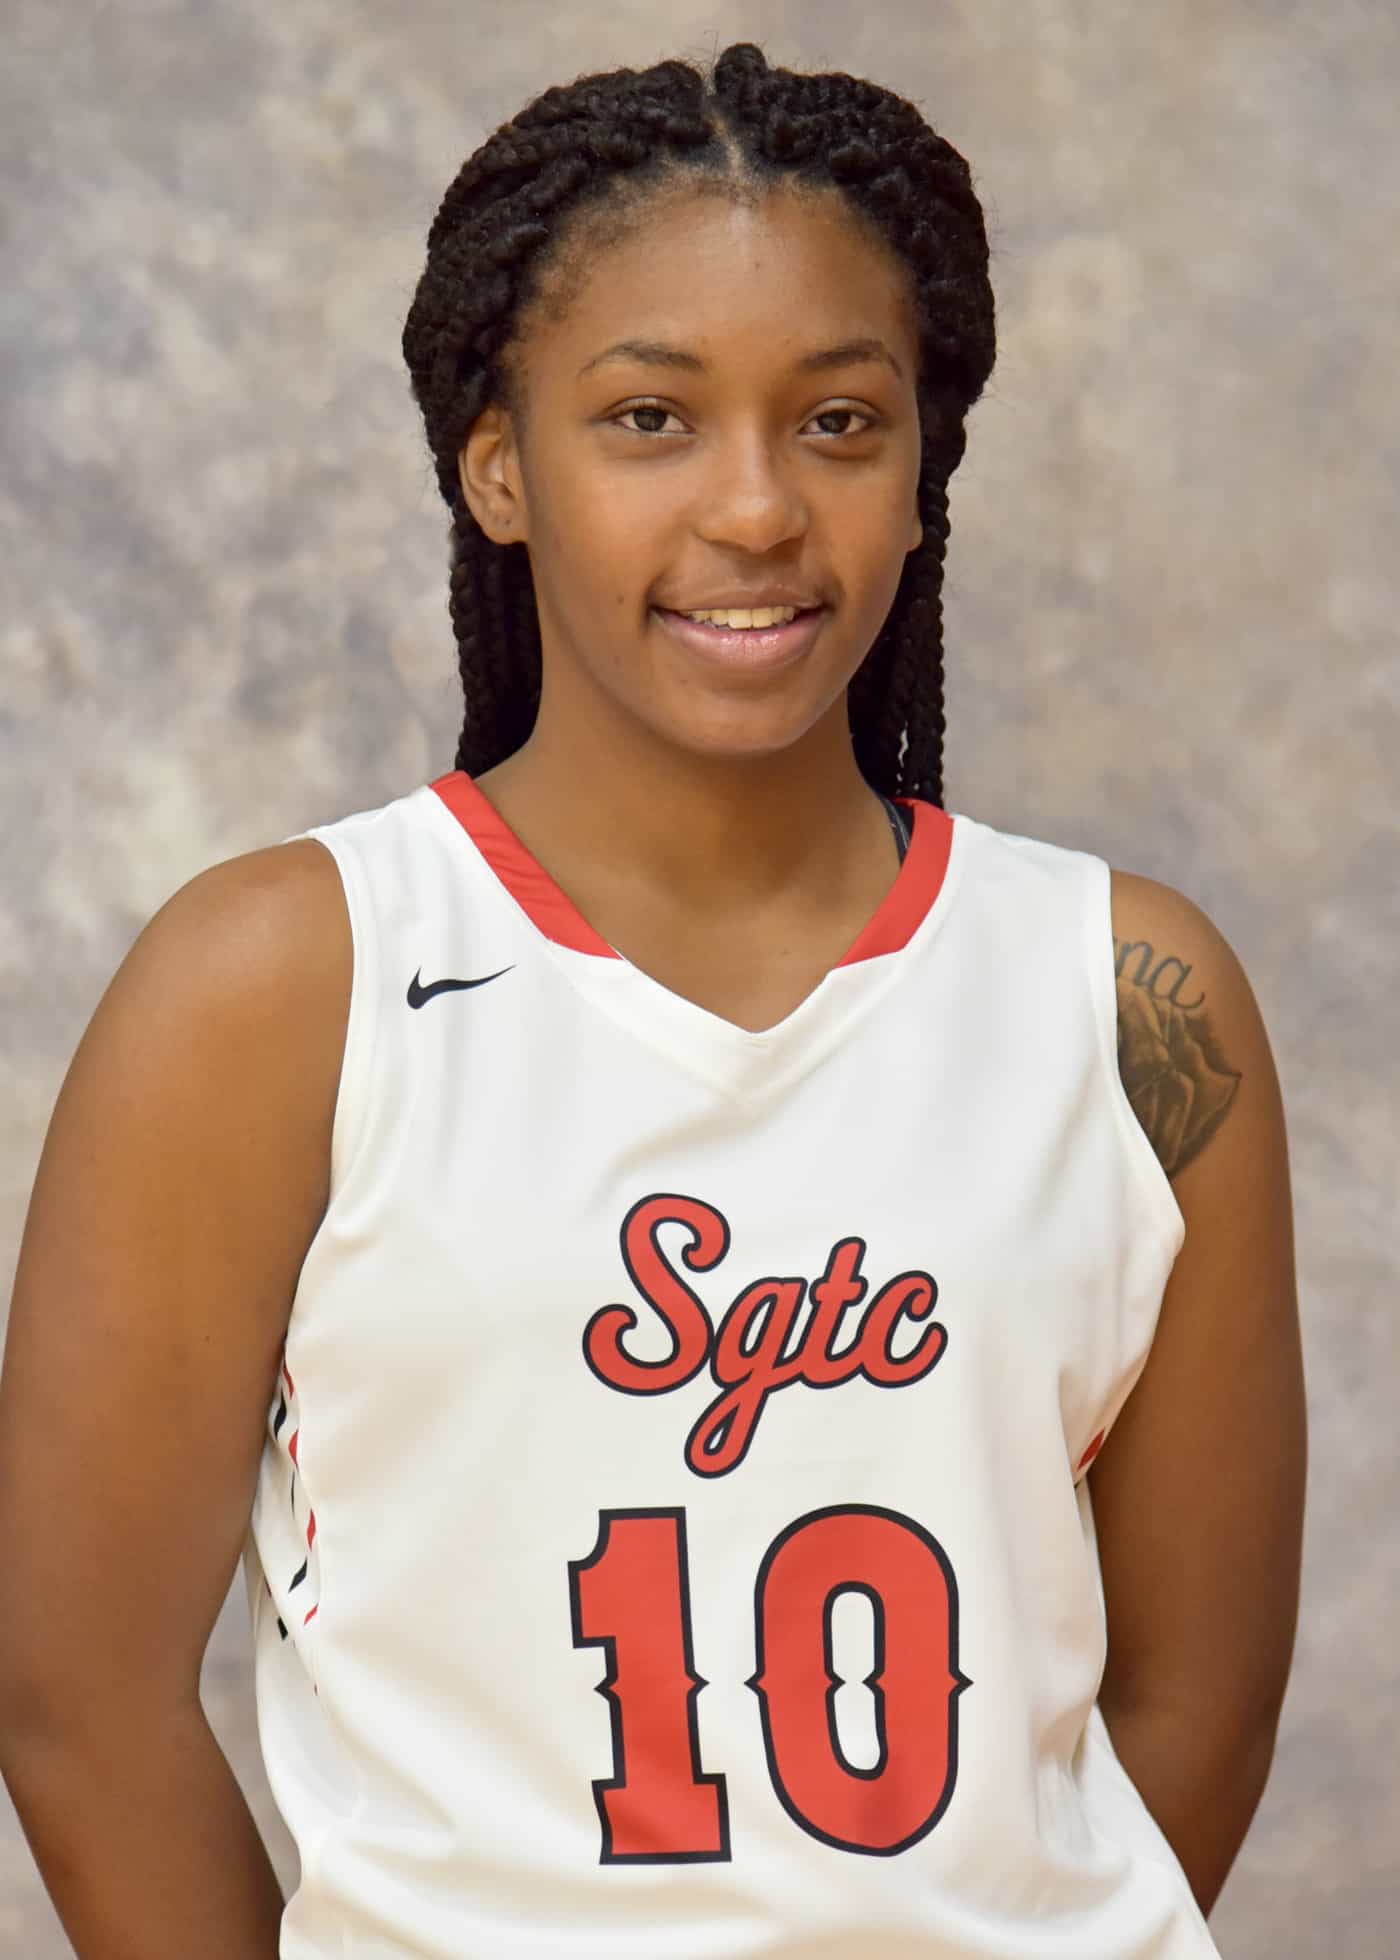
(746, 734)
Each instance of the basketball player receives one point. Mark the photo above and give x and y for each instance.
(743, 1324)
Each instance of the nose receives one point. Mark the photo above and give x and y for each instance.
(751, 499)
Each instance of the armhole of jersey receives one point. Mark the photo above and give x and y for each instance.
(349, 1125)
(1103, 981)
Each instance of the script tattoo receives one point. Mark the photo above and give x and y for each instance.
(1178, 1082)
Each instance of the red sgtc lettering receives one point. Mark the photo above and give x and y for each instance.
(751, 1351)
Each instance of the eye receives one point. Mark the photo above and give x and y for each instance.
(824, 413)
(658, 408)
(642, 408)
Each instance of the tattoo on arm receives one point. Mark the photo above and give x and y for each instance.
(1179, 1083)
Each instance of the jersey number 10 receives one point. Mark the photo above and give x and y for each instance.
(631, 1597)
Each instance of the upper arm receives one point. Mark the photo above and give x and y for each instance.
(1198, 1492)
(182, 1178)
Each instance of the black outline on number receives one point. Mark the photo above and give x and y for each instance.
(608, 1642)
(872, 1680)
(960, 1680)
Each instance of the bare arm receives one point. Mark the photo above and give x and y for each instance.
(1198, 1493)
(183, 1176)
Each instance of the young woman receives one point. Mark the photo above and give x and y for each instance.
(743, 1324)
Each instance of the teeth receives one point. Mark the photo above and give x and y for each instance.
(763, 616)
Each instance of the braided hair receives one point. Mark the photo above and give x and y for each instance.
(576, 168)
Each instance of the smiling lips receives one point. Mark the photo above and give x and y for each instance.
(744, 616)
(745, 648)
(736, 601)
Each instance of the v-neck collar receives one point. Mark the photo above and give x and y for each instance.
(709, 1044)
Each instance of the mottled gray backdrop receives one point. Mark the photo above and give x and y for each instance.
(1171, 595)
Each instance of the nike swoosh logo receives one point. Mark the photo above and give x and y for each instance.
(418, 993)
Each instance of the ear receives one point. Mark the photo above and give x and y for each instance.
(916, 536)
(489, 469)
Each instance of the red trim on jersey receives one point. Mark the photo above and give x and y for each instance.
(898, 916)
(1091, 1452)
(523, 876)
(910, 898)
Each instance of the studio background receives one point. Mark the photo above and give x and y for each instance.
(1170, 597)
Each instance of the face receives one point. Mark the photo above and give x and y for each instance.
(643, 483)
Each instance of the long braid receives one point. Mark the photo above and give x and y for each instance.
(511, 234)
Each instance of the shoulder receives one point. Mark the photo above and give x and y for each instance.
(190, 1143)
(264, 937)
(232, 1003)
(282, 906)
(1189, 1027)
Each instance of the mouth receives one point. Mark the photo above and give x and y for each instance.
(742, 649)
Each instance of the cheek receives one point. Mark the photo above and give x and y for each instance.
(598, 549)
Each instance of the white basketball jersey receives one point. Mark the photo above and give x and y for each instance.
(672, 1539)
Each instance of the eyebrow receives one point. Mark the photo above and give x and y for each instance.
(660, 353)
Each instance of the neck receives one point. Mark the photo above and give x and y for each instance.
(709, 833)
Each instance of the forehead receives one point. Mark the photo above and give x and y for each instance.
(734, 280)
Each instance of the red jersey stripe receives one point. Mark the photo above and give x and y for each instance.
(523, 876)
(895, 920)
